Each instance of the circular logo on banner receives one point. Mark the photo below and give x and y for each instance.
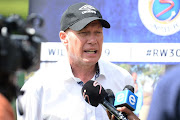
(161, 17)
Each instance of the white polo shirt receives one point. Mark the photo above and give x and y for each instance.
(53, 93)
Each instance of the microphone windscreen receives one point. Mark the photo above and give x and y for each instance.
(129, 87)
(110, 96)
(93, 93)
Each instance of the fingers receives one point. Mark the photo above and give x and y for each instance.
(110, 116)
(130, 114)
(125, 109)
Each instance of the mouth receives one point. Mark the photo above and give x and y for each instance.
(91, 51)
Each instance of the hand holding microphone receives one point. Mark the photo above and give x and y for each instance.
(125, 101)
(94, 94)
(125, 111)
(126, 98)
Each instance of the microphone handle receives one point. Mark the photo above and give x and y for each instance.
(113, 110)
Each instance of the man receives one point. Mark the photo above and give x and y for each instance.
(55, 93)
(165, 103)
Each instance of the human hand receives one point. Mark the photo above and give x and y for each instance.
(129, 113)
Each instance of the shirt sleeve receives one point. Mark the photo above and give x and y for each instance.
(30, 101)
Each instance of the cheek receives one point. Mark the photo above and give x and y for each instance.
(101, 38)
(75, 46)
(100, 42)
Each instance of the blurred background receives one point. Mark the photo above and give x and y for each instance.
(20, 7)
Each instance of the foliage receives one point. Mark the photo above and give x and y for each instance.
(20, 7)
(153, 71)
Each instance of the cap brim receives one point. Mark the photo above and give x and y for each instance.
(82, 23)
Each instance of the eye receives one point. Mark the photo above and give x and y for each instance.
(98, 32)
(83, 33)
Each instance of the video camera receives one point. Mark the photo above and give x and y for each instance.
(19, 43)
(20, 46)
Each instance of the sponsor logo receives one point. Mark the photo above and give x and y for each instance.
(87, 9)
(97, 84)
(132, 100)
(86, 97)
(161, 17)
(122, 98)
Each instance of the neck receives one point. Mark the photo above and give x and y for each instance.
(85, 73)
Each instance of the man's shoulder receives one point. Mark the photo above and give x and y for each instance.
(116, 76)
(106, 63)
(109, 66)
(47, 73)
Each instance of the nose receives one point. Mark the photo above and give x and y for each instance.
(92, 40)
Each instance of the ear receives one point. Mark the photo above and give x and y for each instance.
(64, 37)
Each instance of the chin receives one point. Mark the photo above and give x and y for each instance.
(91, 61)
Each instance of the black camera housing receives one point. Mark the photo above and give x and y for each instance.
(19, 43)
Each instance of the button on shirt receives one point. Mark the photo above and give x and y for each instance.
(53, 93)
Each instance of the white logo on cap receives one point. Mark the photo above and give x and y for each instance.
(88, 9)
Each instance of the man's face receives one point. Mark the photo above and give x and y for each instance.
(85, 46)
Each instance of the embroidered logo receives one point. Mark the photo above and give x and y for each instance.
(88, 9)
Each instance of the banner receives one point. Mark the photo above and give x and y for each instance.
(136, 28)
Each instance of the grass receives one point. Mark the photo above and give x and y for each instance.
(9, 7)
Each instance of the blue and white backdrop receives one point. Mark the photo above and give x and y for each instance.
(142, 31)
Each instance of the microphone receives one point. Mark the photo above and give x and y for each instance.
(126, 98)
(94, 94)
(110, 96)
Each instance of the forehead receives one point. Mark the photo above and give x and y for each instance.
(96, 23)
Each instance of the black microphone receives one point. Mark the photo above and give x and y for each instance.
(129, 87)
(110, 96)
(94, 94)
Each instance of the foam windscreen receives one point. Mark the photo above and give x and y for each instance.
(93, 93)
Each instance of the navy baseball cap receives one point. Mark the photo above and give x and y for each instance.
(77, 16)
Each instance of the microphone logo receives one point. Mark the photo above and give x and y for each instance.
(96, 84)
(86, 97)
(126, 98)
(132, 100)
(120, 97)
(93, 92)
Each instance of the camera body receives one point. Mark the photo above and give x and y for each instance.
(19, 43)
(19, 50)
